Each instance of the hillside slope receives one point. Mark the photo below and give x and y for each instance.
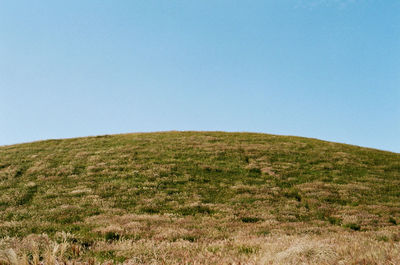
(205, 197)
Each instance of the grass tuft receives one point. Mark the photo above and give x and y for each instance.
(249, 219)
(353, 226)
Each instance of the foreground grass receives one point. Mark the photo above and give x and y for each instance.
(198, 198)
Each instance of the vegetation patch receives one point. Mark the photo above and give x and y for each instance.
(194, 210)
(353, 226)
(392, 220)
(249, 219)
(247, 250)
(112, 236)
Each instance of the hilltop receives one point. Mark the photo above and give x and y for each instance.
(198, 198)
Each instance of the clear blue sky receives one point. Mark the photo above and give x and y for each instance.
(328, 69)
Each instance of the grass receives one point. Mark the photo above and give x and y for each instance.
(198, 197)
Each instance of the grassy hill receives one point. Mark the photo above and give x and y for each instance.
(198, 198)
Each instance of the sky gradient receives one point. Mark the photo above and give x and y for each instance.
(327, 69)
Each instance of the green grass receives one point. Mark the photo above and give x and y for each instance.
(231, 180)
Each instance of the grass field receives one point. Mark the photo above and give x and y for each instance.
(198, 198)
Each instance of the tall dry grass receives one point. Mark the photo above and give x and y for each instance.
(334, 248)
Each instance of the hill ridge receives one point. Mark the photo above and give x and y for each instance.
(206, 197)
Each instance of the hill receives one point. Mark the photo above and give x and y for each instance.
(198, 198)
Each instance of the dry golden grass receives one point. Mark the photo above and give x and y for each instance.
(306, 245)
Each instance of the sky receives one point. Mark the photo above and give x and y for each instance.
(326, 69)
